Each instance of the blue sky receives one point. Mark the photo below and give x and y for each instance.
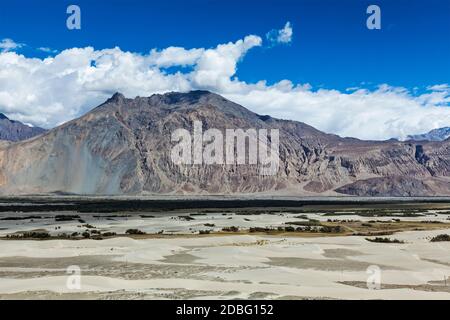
(331, 47)
(399, 75)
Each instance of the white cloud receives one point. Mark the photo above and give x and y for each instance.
(439, 87)
(7, 45)
(47, 50)
(380, 114)
(282, 36)
(47, 92)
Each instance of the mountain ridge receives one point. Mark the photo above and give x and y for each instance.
(439, 134)
(123, 147)
(13, 130)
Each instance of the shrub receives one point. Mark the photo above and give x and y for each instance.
(230, 229)
(134, 231)
(36, 235)
(186, 218)
(441, 237)
(305, 223)
(109, 234)
(327, 229)
(66, 217)
(143, 216)
(260, 229)
(384, 240)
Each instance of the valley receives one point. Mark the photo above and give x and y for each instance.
(223, 249)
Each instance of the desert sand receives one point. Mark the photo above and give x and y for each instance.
(227, 267)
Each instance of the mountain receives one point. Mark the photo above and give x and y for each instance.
(440, 134)
(124, 147)
(12, 130)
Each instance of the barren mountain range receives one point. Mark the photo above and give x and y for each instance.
(12, 130)
(123, 147)
(439, 134)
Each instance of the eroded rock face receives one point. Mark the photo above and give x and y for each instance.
(124, 147)
(392, 186)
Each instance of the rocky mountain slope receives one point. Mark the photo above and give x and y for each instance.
(440, 134)
(11, 130)
(124, 147)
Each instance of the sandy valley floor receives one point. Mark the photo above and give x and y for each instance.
(181, 264)
(227, 267)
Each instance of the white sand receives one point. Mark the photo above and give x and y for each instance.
(242, 264)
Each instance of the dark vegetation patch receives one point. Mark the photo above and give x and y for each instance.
(47, 204)
(309, 223)
(21, 218)
(112, 216)
(315, 229)
(410, 213)
(441, 237)
(67, 217)
(431, 221)
(230, 229)
(185, 218)
(144, 216)
(134, 232)
(302, 216)
(30, 235)
(384, 240)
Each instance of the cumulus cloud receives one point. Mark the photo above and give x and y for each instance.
(384, 113)
(282, 36)
(9, 45)
(48, 92)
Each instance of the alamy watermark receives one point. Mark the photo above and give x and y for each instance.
(374, 20)
(73, 22)
(73, 281)
(211, 147)
(374, 279)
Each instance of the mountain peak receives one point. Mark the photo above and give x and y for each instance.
(190, 97)
(126, 147)
(117, 97)
(439, 134)
(186, 97)
(12, 130)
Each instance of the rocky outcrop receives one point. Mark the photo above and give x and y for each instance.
(124, 147)
(392, 186)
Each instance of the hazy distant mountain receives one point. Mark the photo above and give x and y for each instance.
(124, 147)
(440, 134)
(12, 130)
